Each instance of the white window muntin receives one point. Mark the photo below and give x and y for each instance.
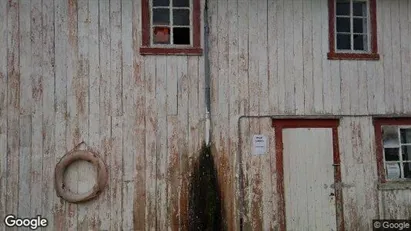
(351, 33)
(171, 25)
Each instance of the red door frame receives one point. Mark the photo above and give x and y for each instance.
(279, 125)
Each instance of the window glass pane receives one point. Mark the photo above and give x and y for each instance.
(343, 25)
(360, 42)
(161, 16)
(360, 25)
(161, 3)
(181, 36)
(390, 136)
(360, 8)
(161, 35)
(407, 170)
(181, 3)
(405, 135)
(343, 7)
(181, 17)
(406, 152)
(343, 42)
(393, 170)
(391, 154)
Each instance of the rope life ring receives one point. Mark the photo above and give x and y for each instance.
(75, 155)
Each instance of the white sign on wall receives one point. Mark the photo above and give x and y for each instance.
(259, 144)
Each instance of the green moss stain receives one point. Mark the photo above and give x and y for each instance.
(205, 206)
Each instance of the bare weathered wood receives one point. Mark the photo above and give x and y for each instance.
(85, 171)
(48, 101)
(115, 59)
(73, 86)
(307, 56)
(27, 103)
(183, 109)
(150, 138)
(161, 147)
(13, 108)
(130, 148)
(318, 25)
(138, 74)
(3, 110)
(60, 147)
(405, 50)
(24, 165)
(116, 173)
(298, 59)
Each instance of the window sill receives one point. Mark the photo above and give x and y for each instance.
(395, 185)
(171, 51)
(353, 56)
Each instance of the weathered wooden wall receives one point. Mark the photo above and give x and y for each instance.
(270, 58)
(70, 71)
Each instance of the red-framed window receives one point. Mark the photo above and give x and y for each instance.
(171, 27)
(393, 141)
(353, 30)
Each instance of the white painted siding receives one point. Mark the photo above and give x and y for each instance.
(280, 50)
(70, 71)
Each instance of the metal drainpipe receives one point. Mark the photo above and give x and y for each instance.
(207, 77)
(319, 116)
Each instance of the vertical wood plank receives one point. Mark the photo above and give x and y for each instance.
(105, 106)
(13, 107)
(94, 101)
(139, 206)
(387, 55)
(37, 96)
(48, 70)
(281, 55)
(26, 104)
(83, 73)
(308, 57)
(266, 181)
(26, 108)
(243, 49)
(24, 176)
(60, 146)
(371, 81)
(345, 86)
(362, 102)
(161, 147)
(224, 91)
(105, 64)
(272, 40)
(254, 95)
(234, 103)
(73, 128)
(379, 69)
(318, 25)
(326, 73)
(3, 110)
(115, 59)
(335, 76)
(116, 173)
(183, 138)
(289, 58)
(151, 148)
(298, 56)
(396, 57)
(130, 149)
(405, 49)
(173, 173)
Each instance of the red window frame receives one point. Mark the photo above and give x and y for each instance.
(147, 49)
(334, 55)
(378, 123)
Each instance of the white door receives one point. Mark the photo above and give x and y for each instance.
(308, 175)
